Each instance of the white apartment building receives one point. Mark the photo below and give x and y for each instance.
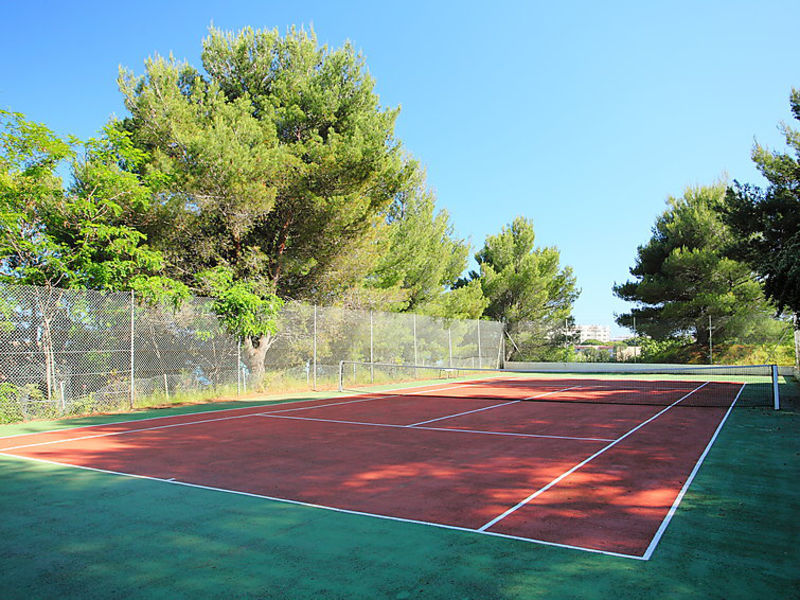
(601, 333)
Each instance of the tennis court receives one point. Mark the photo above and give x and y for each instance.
(594, 464)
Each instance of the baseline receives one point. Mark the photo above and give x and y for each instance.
(324, 507)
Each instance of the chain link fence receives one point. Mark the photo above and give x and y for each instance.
(68, 352)
(715, 340)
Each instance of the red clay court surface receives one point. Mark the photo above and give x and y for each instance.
(591, 476)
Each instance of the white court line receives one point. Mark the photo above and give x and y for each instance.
(201, 421)
(137, 430)
(330, 508)
(584, 462)
(448, 429)
(127, 431)
(663, 527)
(423, 388)
(182, 424)
(469, 412)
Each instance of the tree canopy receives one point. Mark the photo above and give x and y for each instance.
(767, 222)
(275, 162)
(526, 284)
(682, 275)
(421, 256)
(523, 282)
(74, 237)
(270, 172)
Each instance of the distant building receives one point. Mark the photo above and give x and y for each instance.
(601, 333)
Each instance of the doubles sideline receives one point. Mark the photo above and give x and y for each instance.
(427, 387)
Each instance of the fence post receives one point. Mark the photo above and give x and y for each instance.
(132, 390)
(414, 322)
(710, 347)
(371, 352)
(480, 358)
(238, 366)
(315, 348)
(501, 360)
(450, 344)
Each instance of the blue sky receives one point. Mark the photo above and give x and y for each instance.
(583, 116)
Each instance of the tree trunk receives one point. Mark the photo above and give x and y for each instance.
(46, 339)
(254, 355)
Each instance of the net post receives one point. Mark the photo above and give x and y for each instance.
(775, 391)
(341, 375)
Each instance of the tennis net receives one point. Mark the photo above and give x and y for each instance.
(710, 386)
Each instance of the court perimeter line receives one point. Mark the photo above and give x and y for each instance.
(239, 408)
(488, 407)
(508, 433)
(201, 421)
(127, 431)
(584, 462)
(324, 507)
(666, 521)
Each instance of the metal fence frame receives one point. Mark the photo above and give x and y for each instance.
(68, 352)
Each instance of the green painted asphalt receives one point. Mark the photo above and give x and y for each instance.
(72, 533)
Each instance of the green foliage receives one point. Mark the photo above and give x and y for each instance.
(74, 238)
(683, 277)
(421, 257)
(594, 355)
(284, 138)
(464, 302)
(156, 289)
(522, 282)
(20, 402)
(29, 156)
(526, 287)
(245, 309)
(768, 221)
(755, 354)
(667, 350)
